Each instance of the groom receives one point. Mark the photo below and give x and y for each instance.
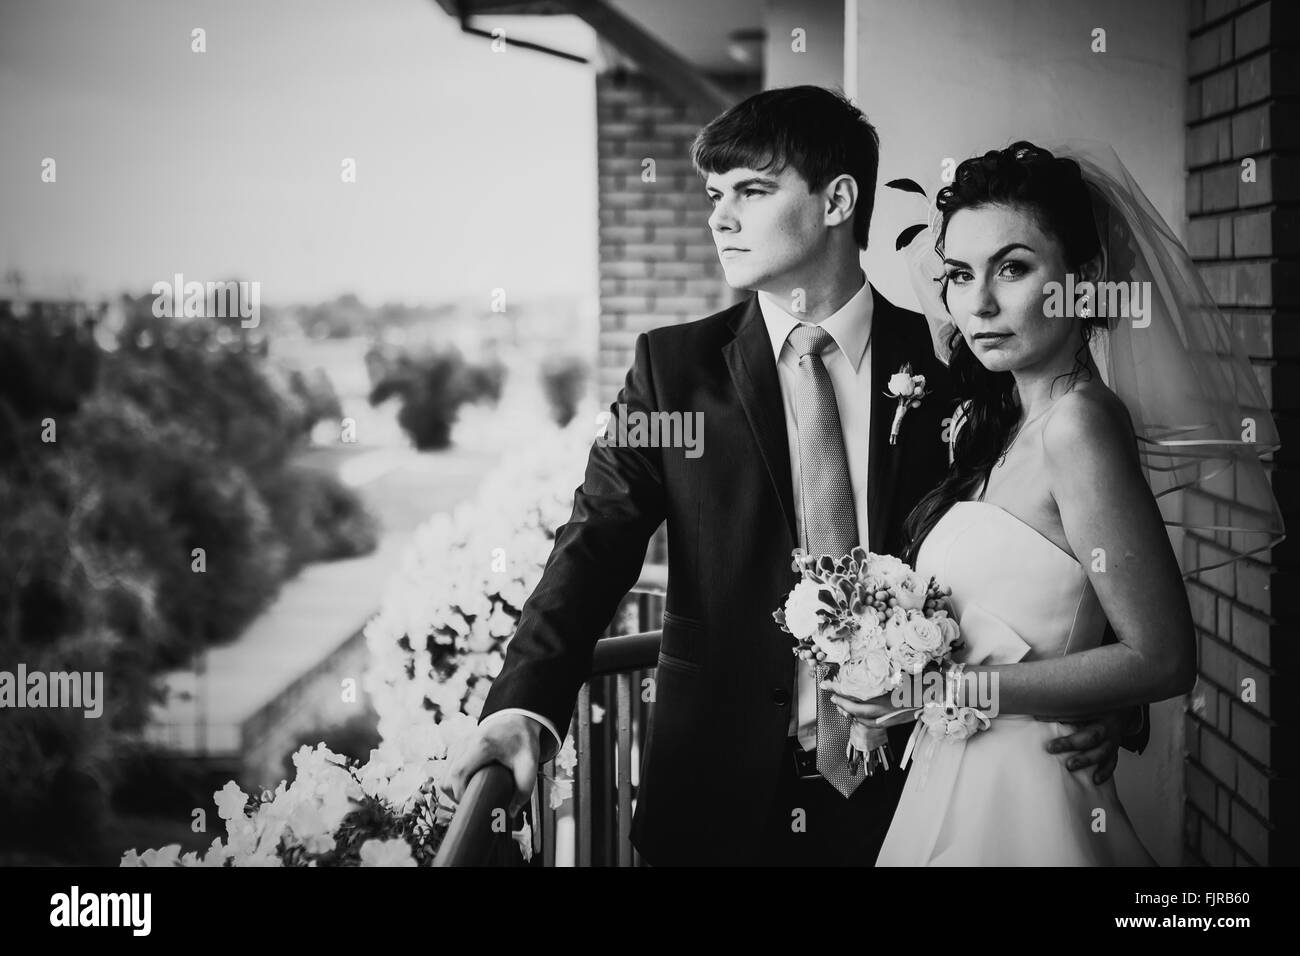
(743, 763)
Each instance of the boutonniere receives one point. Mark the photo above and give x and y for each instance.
(909, 389)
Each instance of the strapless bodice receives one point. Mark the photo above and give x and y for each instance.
(1016, 594)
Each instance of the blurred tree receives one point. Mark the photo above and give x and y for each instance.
(431, 384)
(182, 437)
(564, 382)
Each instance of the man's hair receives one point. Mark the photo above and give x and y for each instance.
(816, 131)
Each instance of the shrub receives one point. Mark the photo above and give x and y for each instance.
(431, 384)
(564, 382)
(319, 517)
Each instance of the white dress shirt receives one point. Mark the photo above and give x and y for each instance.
(849, 368)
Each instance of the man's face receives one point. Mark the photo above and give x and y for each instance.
(767, 227)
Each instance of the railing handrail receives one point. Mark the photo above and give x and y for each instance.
(653, 580)
(626, 652)
(470, 835)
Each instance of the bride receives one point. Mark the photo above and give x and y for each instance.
(1047, 525)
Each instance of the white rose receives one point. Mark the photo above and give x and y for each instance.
(923, 634)
(900, 383)
(910, 591)
(856, 679)
(803, 610)
(949, 629)
(877, 663)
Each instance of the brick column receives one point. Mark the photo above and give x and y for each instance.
(657, 261)
(1245, 237)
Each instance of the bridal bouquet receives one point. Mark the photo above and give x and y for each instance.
(867, 620)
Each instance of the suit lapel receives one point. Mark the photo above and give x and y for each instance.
(884, 462)
(753, 372)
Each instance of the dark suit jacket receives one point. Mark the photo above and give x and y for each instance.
(724, 683)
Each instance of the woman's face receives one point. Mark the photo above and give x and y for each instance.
(998, 262)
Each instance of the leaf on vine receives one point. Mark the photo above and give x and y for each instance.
(906, 185)
(907, 235)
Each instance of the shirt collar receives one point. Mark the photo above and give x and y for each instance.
(850, 326)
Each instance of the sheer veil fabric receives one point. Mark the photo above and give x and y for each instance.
(1203, 427)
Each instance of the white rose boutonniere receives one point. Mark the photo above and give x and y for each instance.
(909, 389)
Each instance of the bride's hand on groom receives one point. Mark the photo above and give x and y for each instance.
(1093, 742)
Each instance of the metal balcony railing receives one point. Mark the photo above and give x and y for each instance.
(609, 728)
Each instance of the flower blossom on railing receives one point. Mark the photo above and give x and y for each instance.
(386, 812)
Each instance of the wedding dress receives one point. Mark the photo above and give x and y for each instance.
(999, 798)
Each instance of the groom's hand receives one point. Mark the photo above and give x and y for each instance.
(511, 740)
(1094, 742)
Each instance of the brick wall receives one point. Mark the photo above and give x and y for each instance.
(1242, 104)
(657, 261)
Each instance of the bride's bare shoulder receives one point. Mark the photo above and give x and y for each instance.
(1090, 419)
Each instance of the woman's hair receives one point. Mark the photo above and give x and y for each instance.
(1053, 191)
(818, 132)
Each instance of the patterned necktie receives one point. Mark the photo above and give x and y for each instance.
(830, 519)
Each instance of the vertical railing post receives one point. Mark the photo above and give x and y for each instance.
(543, 815)
(607, 768)
(624, 771)
(582, 807)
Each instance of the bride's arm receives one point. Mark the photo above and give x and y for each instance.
(1105, 503)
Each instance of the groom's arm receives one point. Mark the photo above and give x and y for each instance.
(596, 559)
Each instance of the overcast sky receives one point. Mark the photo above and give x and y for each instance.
(475, 170)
